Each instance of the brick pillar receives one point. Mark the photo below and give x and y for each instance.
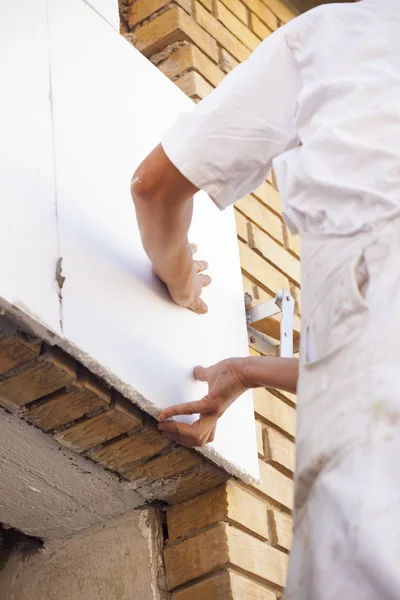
(232, 542)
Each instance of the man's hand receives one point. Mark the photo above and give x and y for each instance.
(186, 290)
(225, 384)
(163, 199)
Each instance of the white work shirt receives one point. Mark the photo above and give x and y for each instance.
(320, 101)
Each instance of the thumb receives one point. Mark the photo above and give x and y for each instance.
(200, 373)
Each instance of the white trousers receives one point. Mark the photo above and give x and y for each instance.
(347, 506)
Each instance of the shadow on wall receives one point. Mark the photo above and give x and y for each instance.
(12, 540)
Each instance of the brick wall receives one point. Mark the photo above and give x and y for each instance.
(233, 541)
(52, 391)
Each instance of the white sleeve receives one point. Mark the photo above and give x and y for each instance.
(226, 145)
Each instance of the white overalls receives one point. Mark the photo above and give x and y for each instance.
(320, 100)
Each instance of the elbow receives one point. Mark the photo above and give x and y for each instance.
(142, 187)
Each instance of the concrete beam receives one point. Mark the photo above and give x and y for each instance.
(49, 492)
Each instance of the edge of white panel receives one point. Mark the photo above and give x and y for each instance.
(23, 317)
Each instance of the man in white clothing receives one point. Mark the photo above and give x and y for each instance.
(320, 101)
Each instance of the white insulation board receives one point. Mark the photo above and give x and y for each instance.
(110, 106)
(28, 227)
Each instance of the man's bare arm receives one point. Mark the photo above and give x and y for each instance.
(227, 380)
(163, 199)
(271, 372)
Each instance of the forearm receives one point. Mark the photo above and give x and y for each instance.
(271, 372)
(163, 200)
(164, 227)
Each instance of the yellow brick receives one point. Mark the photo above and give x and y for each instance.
(296, 294)
(185, 486)
(206, 68)
(292, 242)
(262, 217)
(242, 225)
(249, 286)
(268, 248)
(87, 395)
(263, 12)
(268, 195)
(173, 26)
(225, 585)
(176, 462)
(275, 485)
(246, 589)
(246, 509)
(281, 530)
(258, 27)
(177, 62)
(15, 349)
(216, 587)
(275, 254)
(120, 455)
(215, 548)
(257, 293)
(279, 8)
(230, 502)
(227, 62)
(241, 31)
(39, 377)
(286, 396)
(260, 271)
(207, 4)
(221, 34)
(279, 451)
(63, 407)
(238, 9)
(143, 9)
(196, 556)
(193, 84)
(274, 411)
(256, 557)
(95, 431)
(190, 57)
(260, 438)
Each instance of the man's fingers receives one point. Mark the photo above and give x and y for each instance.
(179, 439)
(200, 373)
(189, 408)
(186, 435)
(201, 265)
(200, 307)
(196, 435)
(212, 435)
(176, 428)
(205, 280)
(182, 433)
(193, 248)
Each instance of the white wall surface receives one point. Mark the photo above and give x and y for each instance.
(109, 109)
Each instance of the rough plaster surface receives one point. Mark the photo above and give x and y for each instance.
(47, 491)
(114, 561)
